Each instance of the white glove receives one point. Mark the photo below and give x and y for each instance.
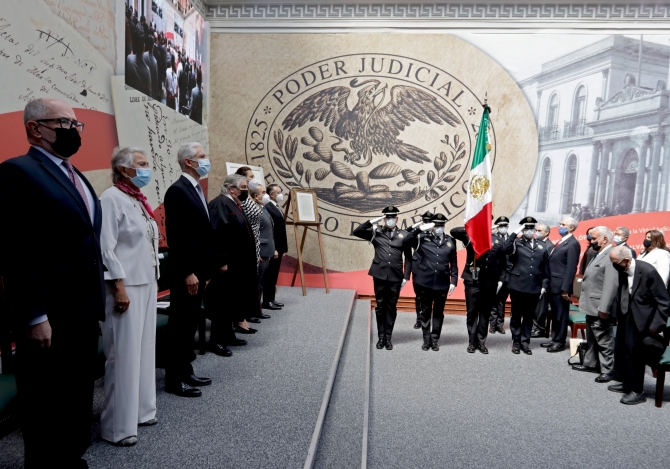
(416, 224)
(253, 184)
(520, 229)
(542, 292)
(452, 287)
(404, 281)
(374, 221)
(427, 226)
(499, 287)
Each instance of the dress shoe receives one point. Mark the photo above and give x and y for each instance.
(277, 303)
(536, 335)
(501, 330)
(633, 398)
(148, 423)
(471, 348)
(219, 350)
(547, 344)
(603, 378)
(435, 347)
(183, 390)
(237, 342)
(240, 330)
(194, 380)
(388, 344)
(618, 388)
(273, 306)
(556, 348)
(128, 441)
(527, 351)
(483, 349)
(492, 330)
(417, 325)
(588, 369)
(425, 347)
(254, 320)
(516, 350)
(265, 316)
(380, 344)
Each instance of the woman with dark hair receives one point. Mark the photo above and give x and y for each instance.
(656, 253)
(589, 254)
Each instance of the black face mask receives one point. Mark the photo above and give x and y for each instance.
(619, 267)
(647, 243)
(67, 142)
(595, 247)
(243, 195)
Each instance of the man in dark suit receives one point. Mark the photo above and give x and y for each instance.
(497, 319)
(528, 281)
(563, 262)
(644, 305)
(542, 231)
(387, 269)
(480, 288)
(51, 266)
(425, 218)
(189, 237)
(195, 105)
(281, 246)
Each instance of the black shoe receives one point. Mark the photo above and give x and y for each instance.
(380, 344)
(254, 320)
(633, 398)
(277, 303)
(536, 335)
(272, 306)
(237, 342)
(240, 330)
(471, 348)
(618, 388)
(546, 344)
(588, 369)
(603, 378)
(417, 325)
(516, 350)
(425, 347)
(219, 350)
(501, 330)
(434, 346)
(483, 349)
(194, 380)
(183, 390)
(388, 344)
(527, 351)
(265, 316)
(556, 348)
(492, 330)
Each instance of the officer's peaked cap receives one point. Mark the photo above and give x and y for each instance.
(391, 211)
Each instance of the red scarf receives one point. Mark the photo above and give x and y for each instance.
(123, 187)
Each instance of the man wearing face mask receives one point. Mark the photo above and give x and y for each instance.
(387, 269)
(425, 219)
(189, 237)
(497, 320)
(267, 240)
(589, 254)
(563, 261)
(273, 208)
(52, 270)
(540, 321)
(434, 275)
(528, 281)
(620, 237)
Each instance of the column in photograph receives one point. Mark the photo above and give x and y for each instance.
(603, 89)
(604, 173)
(641, 170)
(652, 197)
(597, 146)
(665, 175)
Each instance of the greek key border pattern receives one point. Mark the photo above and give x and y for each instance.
(440, 11)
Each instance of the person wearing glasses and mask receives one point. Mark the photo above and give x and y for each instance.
(52, 271)
(621, 235)
(528, 281)
(387, 270)
(497, 319)
(129, 242)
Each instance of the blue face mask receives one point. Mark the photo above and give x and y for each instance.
(142, 177)
(563, 230)
(203, 167)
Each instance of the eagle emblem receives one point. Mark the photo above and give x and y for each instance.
(479, 185)
(400, 235)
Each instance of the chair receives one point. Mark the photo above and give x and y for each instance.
(659, 371)
(577, 321)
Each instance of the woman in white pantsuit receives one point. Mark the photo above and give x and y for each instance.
(129, 242)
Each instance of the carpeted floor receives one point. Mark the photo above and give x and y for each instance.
(460, 410)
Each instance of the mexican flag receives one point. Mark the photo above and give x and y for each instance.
(478, 206)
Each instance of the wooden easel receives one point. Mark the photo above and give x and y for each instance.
(301, 245)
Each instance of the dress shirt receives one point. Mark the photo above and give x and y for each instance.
(171, 81)
(198, 189)
(564, 238)
(630, 272)
(278, 207)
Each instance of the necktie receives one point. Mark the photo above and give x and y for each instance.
(198, 189)
(77, 183)
(625, 295)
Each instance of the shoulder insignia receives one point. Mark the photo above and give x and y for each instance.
(497, 242)
(448, 244)
(400, 235)
(539, 246)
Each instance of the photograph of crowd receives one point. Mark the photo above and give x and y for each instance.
(163, 57)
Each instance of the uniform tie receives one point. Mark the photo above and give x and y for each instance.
(77, 183)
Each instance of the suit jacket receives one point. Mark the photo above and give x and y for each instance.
(389, 252)
(49, 247)
(631, 250)
(599, 285)
(189, 233)
(195, 106)
(649, 301)
(530, 273)
(489, 263)
(281, 243)
(267, 239)
(433, 264)
(563, 262)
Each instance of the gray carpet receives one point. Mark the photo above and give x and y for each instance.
(454, 409)
(259, 412)
(341, 437)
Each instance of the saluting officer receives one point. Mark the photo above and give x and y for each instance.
(425, 219)
(497, 321)
(387, 269)
(434, 273)
(479, 279)
(528, 281)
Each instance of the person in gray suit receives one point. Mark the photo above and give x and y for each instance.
(599, 290)
(267, 240)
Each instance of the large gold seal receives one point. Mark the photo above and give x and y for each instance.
(479, 185)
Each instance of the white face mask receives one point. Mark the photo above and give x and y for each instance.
(390, 222)
(280, 198)
(253, 184)
(502, 230)
(266, 199)
(439, 231)
(617, 240)
(541, 235)
(528, 234)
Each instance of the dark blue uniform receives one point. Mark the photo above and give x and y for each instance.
(497, 320)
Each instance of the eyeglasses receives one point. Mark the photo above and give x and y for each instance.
(65, 123)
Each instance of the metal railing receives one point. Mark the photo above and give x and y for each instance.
(574, 128)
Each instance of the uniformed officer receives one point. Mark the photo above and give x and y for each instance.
(387, 269)
(497, 321)
(528, 280)
(542, 232)
(479, 279)
(434, 273)
(425, 219)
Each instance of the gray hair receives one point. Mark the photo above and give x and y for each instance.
(624, 230)
(232, 180)
(186, 152)
(603, 230)
(256, 190)
(544, 227)
(123, 157)
(571, 222)
(35, 110)
(620, 253)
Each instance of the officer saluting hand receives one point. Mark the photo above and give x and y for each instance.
(434, 273)
(387, 269)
